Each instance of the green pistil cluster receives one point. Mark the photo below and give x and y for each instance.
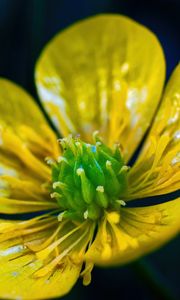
(88, 179)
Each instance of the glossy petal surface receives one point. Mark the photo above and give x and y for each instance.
(139, 231)
(19, 264)
(105, 73)
(157, 170)
(25, 141)
(20, 112)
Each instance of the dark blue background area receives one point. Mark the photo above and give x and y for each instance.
(25, 27)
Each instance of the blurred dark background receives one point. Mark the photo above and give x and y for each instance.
(25, 27)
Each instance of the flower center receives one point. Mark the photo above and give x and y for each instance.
(88, 179)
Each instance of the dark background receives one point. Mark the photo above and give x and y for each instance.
(25, 27)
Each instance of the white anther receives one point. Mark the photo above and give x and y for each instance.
(98, 144)
(100, 189)
(121, 202)
(56, 184)
(60, 140)
(60, 216)
(80, 171)
(49, 160)
(61, 158)
(108, 163)
(113, 217)
(86, 214)
(55, 195)
(124, 169)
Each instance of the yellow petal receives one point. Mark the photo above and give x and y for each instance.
(19, 112)
(105, 73)
(15, 206)
(42, 225)
(157, 170)
(17, 281)
(23, 177)
(139, 231)
(25, 141)
(19, 264)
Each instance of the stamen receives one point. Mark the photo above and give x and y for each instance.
(121, 202)
(49, 267)
(61, 215)
(113, 217)
(63, 186)
(62, 159)
(50, 161)
(55, 195)
(124, 169)
(45, 252)
(39, 247)
(159, 176)
(86, 273)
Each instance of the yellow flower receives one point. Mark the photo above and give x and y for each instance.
(105, 73)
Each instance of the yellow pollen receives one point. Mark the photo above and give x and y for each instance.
(113, 217)
(100, 189)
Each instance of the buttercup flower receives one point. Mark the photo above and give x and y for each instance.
(107, 74)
